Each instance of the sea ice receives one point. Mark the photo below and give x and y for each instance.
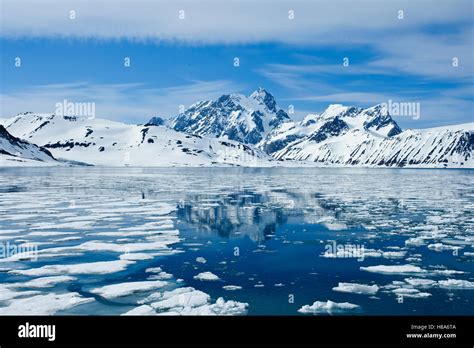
(206, 276)
(410, 292)
(357, 288)
(141, 310)
(328, 307)
(456, 284)
(101, 267)
(201, 259)
(129, 288)
(45, 282)
(47, 304)
(420, 282)
(393, 269)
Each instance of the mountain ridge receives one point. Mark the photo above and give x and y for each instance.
(250, 130)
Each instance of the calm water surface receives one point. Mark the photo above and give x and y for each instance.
(268, 232)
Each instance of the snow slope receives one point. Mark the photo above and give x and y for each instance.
(103, 142)
(15, 151)
(352, 136)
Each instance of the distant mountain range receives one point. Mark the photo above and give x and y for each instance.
(236, 130)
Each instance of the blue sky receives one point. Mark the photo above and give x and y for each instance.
(177, 62)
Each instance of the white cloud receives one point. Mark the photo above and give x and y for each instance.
(215, 21)
(429, 55)
(407, 46)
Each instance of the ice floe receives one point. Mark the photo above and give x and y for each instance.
(357, 288)
(160, 276)
(393, 269)
(128, 288)
(394, 254)
(410, 292)
(141, 310)
(201, 259)
(45, 282)
(442, 247)
(8, 291)
(206, 276)
(421, 282)
(47, 304)
(101, 267)
(189, 301)
(135, 256)
(329, 307)
(456, 284)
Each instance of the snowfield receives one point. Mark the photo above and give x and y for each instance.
(107, 143)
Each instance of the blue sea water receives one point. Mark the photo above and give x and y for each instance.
(263, 230)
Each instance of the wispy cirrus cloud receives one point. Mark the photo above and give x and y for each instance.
(421, 55)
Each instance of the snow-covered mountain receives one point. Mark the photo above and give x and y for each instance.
(235, 117)
(249, 131)
(15, 151)
(341, 135)
(344, 135)
(109, 143)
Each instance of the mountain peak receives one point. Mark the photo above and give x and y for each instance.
(233, 116)
(379, 110)
(259, 91)
(334, 110)
(263, 96)
(379, 119)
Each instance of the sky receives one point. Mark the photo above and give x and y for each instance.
(181, 52)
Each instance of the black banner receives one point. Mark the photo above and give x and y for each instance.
(191, 331)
